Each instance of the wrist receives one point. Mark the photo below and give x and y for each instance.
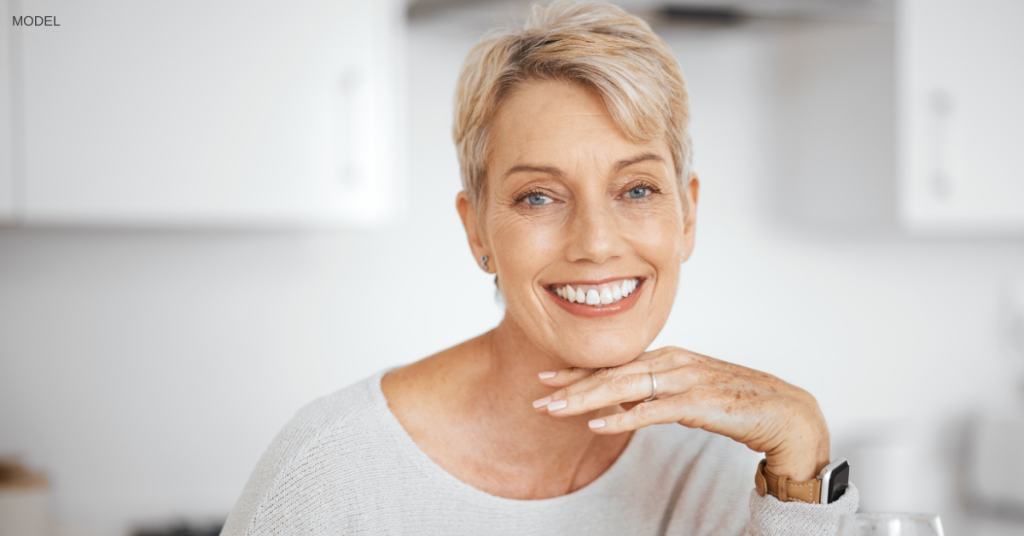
(799, 470)
(803, 463)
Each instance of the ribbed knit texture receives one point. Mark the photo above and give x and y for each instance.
(345, 465)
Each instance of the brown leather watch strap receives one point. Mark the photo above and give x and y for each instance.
(784, 489)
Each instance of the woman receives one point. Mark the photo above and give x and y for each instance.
(572, 138)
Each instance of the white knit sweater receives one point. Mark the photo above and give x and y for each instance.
(345, 465)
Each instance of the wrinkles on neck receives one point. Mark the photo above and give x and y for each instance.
(469, 408)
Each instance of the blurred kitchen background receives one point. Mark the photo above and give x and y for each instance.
(214, 212)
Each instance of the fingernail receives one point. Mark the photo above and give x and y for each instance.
(596, 423)
(542, 402)
(547, 375)
(557, 405)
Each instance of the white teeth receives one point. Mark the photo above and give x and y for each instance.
(597, 295)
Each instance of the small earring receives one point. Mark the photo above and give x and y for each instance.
(484, 261)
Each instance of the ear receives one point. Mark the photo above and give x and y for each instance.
(691, 193)
(468, 214)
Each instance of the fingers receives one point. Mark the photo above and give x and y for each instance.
(621, 389)
(586, 390)
(663, 411)
(564, 377)
(692, 409)
(624, 388)
(573, 381)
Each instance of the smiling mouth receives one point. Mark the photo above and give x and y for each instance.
(596, 295)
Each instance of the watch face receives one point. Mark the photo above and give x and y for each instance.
(838, 482)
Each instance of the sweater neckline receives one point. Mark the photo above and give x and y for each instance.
(611, 479)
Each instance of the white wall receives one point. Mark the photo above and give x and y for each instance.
(147, 370)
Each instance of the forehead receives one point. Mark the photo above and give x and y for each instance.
(554, 123)
(567, 105)
(540, 112)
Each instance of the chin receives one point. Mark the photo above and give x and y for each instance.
(603, 353)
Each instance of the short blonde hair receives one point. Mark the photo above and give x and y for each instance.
(598, 46)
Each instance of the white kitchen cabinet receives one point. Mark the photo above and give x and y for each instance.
(7, 185)
(227, 113)
(960, 72)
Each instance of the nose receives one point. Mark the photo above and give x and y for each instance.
(594, 233)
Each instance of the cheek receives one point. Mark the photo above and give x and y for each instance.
(658, 238)
(658, 242)
(523, 247)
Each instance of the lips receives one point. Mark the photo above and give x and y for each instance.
(629, 291)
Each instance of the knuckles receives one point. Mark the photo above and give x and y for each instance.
(690, 375)
(622, 385)
(643, 412)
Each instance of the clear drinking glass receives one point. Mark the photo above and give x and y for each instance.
(890, 524)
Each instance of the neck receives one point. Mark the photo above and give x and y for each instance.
(553, 455)
(470, 409)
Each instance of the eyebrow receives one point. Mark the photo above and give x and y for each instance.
(619, 166)
(646, 157)
(537, 169)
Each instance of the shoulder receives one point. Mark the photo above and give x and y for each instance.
(322, 418)
(287, 472)
(331, 412)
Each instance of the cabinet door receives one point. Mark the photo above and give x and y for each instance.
(7, 188)
(235, 112)
(961, 115)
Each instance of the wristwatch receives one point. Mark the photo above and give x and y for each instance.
(826, 488)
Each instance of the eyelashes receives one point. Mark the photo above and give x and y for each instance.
(644, 185)
(640, 185)
(524, 196)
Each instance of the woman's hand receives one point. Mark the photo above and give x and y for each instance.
(759, 410)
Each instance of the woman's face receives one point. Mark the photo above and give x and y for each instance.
(572, 203)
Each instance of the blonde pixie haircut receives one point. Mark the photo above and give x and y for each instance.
(597, 46)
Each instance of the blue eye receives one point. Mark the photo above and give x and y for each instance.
(638, 192)
(537, 199)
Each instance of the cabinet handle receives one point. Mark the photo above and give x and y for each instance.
(348, 94)
(942, 107)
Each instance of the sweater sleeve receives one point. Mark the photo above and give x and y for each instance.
(771, 517)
